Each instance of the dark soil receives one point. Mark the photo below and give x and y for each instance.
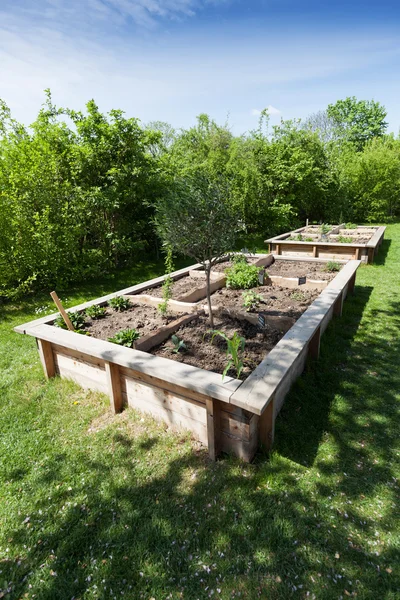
(141, 317)
(179, 288)
(276, 300)
(201, 353)
(212, 357)
(312, 270)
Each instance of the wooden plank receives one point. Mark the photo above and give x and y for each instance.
(114, 386)
(338, 306)
(315, 251)
(213, 428)
(180, 374)
(314, 345)
(87, 376)
(62, 311)
(266, 426)
(201, 292)
(46, 356)
(163, 333)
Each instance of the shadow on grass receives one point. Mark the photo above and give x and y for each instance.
(380, 258)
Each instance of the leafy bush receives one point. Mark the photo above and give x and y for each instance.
(96, 311)
(234, 350)
(242, 276)
(239, 259)
(119, 303)
(251, 300)
(77, 319)
(332, 266)
(126, 337)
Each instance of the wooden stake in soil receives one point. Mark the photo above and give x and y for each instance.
(62, 311)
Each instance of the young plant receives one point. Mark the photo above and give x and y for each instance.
(344, 240)
(308, 239)
(179, 345)
(239, 259)
(235, 347)
(325, 228)
(242, 276)
(251, 300)
(126, 337)
(168, 283)
(350, 226)
(119, 303)
(77, 319)
(298, 296)
(96, 312)
(332, 266)
(298, 237)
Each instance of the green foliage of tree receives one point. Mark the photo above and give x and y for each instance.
(358, 120)
(194, 218)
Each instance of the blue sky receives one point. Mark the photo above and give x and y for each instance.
(170, 60)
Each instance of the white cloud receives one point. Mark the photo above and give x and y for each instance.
(255, 112)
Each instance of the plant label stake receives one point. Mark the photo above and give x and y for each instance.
(302, 280)
(62, 311)
(261, 277)
(261, 321)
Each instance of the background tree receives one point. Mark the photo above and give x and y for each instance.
(194, 219)
(358, 120)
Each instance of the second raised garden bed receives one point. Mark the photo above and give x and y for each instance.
(227, 414)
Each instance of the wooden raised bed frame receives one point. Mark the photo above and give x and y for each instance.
(281, 245)
(226, 415)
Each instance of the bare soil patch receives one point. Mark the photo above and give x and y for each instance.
(180, 287)
(311, 270)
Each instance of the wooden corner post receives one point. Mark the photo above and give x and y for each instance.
(114, 386)
(266, 426)
(47, 358)
(213, 427)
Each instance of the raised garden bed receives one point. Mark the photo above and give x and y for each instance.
(333, 242)
(230, 414)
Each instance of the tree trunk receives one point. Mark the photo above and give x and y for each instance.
(208, 273)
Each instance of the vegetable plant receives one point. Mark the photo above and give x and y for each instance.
(126, 337)
(332, 266)
(96, 312)
(179, 345)
(242, 276)
(298, 296)
(350, 226)
(325, 228)
(119, 303)
(239, 259)
(251, 300)
(344, 240)
(77, 319)
(235, 348)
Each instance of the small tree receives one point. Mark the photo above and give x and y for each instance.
(194, 219)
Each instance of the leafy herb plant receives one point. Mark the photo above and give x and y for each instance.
(332, 266)
(325, 228)
(298, 296)
(239, 259)
(235, 348)
(119, 303)
(344, 240)
(96, 312)
(350, 226)
(242, 276)
(77, 319)
(126, 337)
(178, 345)
(251, 300)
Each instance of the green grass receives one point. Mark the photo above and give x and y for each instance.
(100, 506)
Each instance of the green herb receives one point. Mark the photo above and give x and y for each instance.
(119, 303)
(332, 266)
(96, 311)
(126, 337)
(298, 296)
(308, 239)
(235, 347)
(350, 226)
(251, 300)
(242, 276)
(344, 240)
(239, 259)
(179, 345)
(77, 319)
(325, 228)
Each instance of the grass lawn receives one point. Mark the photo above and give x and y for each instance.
(100, 506)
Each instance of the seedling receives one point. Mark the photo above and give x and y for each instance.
(179, 345)
(308, 239)
(325, 228)
(119, 303)
(126, 337)
(298, 296)
(96, 312)
(332, 266)
(77, 320)
(235, 347)
(251, 300)
(344, 240)
(350, 226)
